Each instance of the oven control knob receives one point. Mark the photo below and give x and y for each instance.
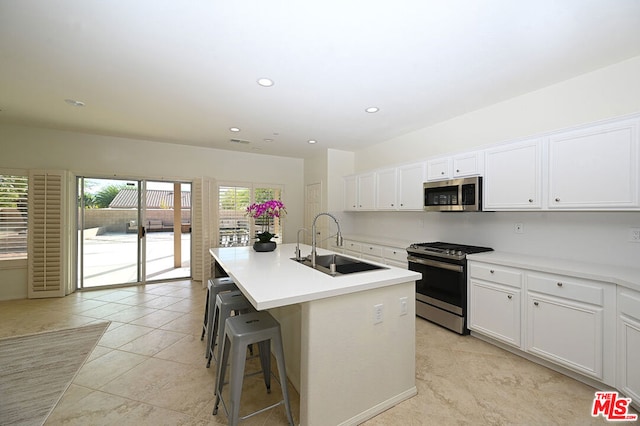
(459, 253)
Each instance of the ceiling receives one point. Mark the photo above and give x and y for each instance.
(186, 71)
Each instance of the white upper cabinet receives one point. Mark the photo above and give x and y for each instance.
(386, 184)
(410, 180)
(351, 193)
(360, 192)
(594, 167)
(460, 165)
(439, 168)
(467, 164)
(513, 176)
(367, 191)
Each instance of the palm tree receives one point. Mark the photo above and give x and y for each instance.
(106, 195)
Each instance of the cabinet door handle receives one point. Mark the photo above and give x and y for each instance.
(557, 200)
(457, 170)
(531, 200)
(509, 297)
(559, 284)
(491, 271)
(441, 173)
(535, 303)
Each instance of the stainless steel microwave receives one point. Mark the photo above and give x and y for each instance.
(456, 195)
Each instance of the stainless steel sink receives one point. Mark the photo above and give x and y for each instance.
(334, 264)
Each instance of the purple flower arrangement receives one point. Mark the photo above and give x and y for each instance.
(271, 208)
(263, 213)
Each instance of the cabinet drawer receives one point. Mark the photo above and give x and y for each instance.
(567, 287)
(496, 274)
(352, 246)
(392, 253)
(629, 303)
(371, 250)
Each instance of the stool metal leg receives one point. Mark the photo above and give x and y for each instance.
(210, 324)
(265, 362)
(236, 378)
(223, 314)
(207, 317)
(222, 369)
(215, 335)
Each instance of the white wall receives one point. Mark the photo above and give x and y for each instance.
(608, 92)
(599, 237)
(103, 156)
(589, 236)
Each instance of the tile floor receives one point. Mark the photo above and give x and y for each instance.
(149, 369)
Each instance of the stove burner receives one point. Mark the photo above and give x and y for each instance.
(451, 250)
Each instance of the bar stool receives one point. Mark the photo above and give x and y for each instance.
(225, 304)
(240, 332)
(214, 286)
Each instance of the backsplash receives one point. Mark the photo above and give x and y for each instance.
(600, 237)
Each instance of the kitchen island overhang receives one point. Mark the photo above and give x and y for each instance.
(346, 365)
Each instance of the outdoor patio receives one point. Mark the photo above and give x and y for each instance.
(111, 258)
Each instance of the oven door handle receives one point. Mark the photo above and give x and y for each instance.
(436, 264)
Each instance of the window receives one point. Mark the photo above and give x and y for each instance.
(233, 225)
(263, 194)
(235, 228)
(13, 216)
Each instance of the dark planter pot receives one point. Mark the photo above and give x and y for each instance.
(262, 247)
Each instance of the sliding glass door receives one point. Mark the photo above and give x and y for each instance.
(130, 231)
(168, 230)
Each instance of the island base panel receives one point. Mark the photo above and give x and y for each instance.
(351, 367)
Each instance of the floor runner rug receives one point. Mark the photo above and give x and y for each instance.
(35, 370)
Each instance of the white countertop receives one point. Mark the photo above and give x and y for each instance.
(620, 275)
(272, 279)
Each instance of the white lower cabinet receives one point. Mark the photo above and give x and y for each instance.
(566, 332)
(565, 320)
(495, 311)
(495, 302)
(629, 343)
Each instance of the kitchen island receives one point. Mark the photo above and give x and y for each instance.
(346, 364)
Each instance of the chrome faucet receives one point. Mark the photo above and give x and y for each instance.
(313, 236)
(298, 256)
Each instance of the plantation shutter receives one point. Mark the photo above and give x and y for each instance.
(202, 227)
(46, 243)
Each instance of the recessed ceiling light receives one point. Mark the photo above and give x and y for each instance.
(371, 110)
(268, 140)
(75, 103)
(312, 141)
(234, 129)
(265, 82)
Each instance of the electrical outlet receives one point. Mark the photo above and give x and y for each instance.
(377, 313)
(634, 235)
(404, 305)
(519, 228)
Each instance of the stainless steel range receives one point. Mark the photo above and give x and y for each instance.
(441, 294)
